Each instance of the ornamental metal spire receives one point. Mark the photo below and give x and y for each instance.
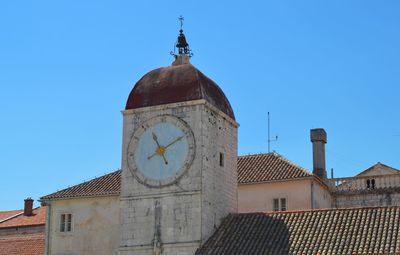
(184, 52)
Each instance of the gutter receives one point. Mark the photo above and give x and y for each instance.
(312, 194)
(22, 226)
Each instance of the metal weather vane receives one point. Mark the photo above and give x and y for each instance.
(181, 43)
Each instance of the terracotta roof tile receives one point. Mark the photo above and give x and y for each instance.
(22, 244)
(7, 214)
(37, 218)
(335, 231)
(109, 184)
(268, 167)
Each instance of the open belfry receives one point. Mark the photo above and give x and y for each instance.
(179, 160)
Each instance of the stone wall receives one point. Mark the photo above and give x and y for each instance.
(322, 198)
(367, 199)
(95, 226)
(219, 183)
(259, 197)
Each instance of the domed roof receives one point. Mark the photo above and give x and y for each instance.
(174, 84)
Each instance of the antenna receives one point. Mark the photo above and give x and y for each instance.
(269, 137)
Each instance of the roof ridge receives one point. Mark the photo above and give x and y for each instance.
(377, 164)
(387, 166)
(272, 166)
(294, 164)
(274, 153)
(258, 154)
(11, 217)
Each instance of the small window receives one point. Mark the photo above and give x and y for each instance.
(66, 222)
(276, 204)
(279, 204)
(283, 204)
(221, 159)
(370, 183)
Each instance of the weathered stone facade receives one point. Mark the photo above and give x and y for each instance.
(367, 199)
(178, 218)
(95, 226)
(378, 185)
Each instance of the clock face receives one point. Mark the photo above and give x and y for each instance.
(161, 151)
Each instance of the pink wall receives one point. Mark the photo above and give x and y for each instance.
(259, 197)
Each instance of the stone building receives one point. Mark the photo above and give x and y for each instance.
(379, 185)
(177, 192)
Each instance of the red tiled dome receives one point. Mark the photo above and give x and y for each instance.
(174, 84)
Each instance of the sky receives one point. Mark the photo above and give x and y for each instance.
(67, 67)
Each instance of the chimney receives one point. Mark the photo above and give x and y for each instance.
(318, 139)
(28, 206)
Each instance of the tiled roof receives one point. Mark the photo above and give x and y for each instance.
(109, 184)
(37, 218)
(251, 168)
(7, 214)
(267, 167)
(325, 232)
(22, 244)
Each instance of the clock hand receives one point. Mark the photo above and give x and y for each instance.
(165, 160)
(155, 139)
(176, 140)
(151, 156)
(158, 153)
(160, 150)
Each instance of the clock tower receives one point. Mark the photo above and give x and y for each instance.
(179, 156)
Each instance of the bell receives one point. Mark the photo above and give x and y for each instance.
(182, 41)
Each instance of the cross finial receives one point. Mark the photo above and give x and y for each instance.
(181, 19)
(184, 52)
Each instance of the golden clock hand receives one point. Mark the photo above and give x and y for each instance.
(176, 140)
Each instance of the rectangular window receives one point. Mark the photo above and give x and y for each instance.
(62, 225)
(370, 183)
(221, 159)
(279, 204)
(276, 204)
(69, 223)
(66, 222)
(283, 204)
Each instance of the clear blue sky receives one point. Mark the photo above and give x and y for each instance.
(67, 67)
